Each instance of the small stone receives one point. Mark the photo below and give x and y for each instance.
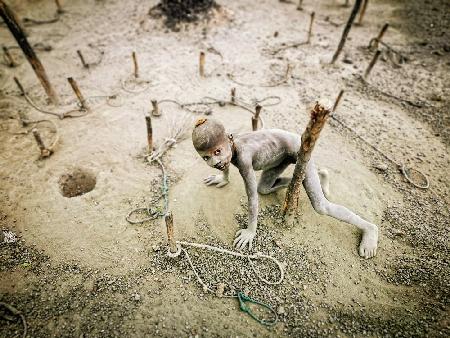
(381, 166)
(280, 310)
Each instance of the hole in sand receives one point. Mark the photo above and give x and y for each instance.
(77, 182)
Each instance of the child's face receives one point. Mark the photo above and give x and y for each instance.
(219, 156)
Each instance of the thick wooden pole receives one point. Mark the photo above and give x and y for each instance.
(170, 236)
(319, 116)
(355, 11)
(19, 35)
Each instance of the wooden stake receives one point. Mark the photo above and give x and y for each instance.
(233, 95)
(299, 6)
(355, 10)
(8, 57)
(80, 97)
(346, 3)
(44, 151)
(371, 64)
(380, 36)
(170, 236)
(319, 116)
(18, 33)
(148, 121)
(59, 9)
(202, 64)
(310, 27)
(255, 118)
(22, 91)
(85, 65)
(136, 68)
(155, 110)
(363, 11)
(338, 99)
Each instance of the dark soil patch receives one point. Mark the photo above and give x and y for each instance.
(77, 182)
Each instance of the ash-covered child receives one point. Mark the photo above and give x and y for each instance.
(272, 151)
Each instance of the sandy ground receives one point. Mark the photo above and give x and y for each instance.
(79, 269)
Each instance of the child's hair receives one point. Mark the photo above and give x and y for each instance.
(207, 133)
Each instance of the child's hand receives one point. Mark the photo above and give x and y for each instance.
(244, 237)
(219, 180)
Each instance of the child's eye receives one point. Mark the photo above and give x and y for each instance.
(206, 158)
(217, 152)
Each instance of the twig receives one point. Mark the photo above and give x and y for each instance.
(18, 33)
(148, 122)
(255, 118)
(80, 97)
(310, 27)
(155, 110)
(371, 64)
(319, 116)
(85, 65)
(202, 64)
(355, 10)
(8, 57)
(170, 236)
(363, 11)
(135, 63)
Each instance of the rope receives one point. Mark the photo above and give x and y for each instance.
(401, 167)
(239, 295)
(283, 80)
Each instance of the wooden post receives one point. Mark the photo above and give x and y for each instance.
(371, 64)
(59, 9)
(319, 116)
(255, 118)
(310, 27)
(80, 97)
(363, 11)
(18, 33)
(338, 99)
(83, 62)
(155, 110)
(233, 95)
(44, 151)
(170, 236)
(202, 64)
(148, 121)
(355, 10)
(299, 6)
(8, 57)
(136, 68)
(380, 36)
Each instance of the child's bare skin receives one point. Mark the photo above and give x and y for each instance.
(272, 151)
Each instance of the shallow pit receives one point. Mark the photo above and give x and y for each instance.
(77, 182)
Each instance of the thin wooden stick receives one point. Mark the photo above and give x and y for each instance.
(77, 92)
(44, 151)
(170, 236)
(380, 36)
(371, 64)
(202, 64)
(22, 90)
(148, 122)
(363, 11)
(338, 99)
(255, 118)
(319, 116)
(85, 65)
(310, 27)
(136, 68)
(155, 110)
(233, 95)
(18, 33)
(8, 57)
(355, 10)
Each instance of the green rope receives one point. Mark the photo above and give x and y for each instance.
(243, 299)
